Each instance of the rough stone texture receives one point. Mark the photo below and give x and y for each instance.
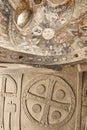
(37, 99)
(41, 99)
(44, 34)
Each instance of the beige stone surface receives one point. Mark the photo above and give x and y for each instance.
(32, 98)
(43, 70)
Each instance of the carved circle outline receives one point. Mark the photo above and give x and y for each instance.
(28, 114)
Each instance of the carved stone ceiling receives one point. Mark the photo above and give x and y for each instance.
(46, 31)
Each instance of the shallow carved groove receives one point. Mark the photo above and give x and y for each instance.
(39, 99)
(36, 35)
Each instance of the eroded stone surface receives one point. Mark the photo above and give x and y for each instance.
(39, 99)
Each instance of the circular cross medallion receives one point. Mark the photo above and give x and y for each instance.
(49, 101)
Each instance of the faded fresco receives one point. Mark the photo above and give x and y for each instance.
(43, 33)
(44, 27)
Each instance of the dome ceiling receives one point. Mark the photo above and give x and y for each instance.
(44, 31)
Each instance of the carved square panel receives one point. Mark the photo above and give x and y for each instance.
(39, 99)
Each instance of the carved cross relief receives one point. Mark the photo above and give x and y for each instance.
(43, 34)
(8, 92)
(51, 101)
